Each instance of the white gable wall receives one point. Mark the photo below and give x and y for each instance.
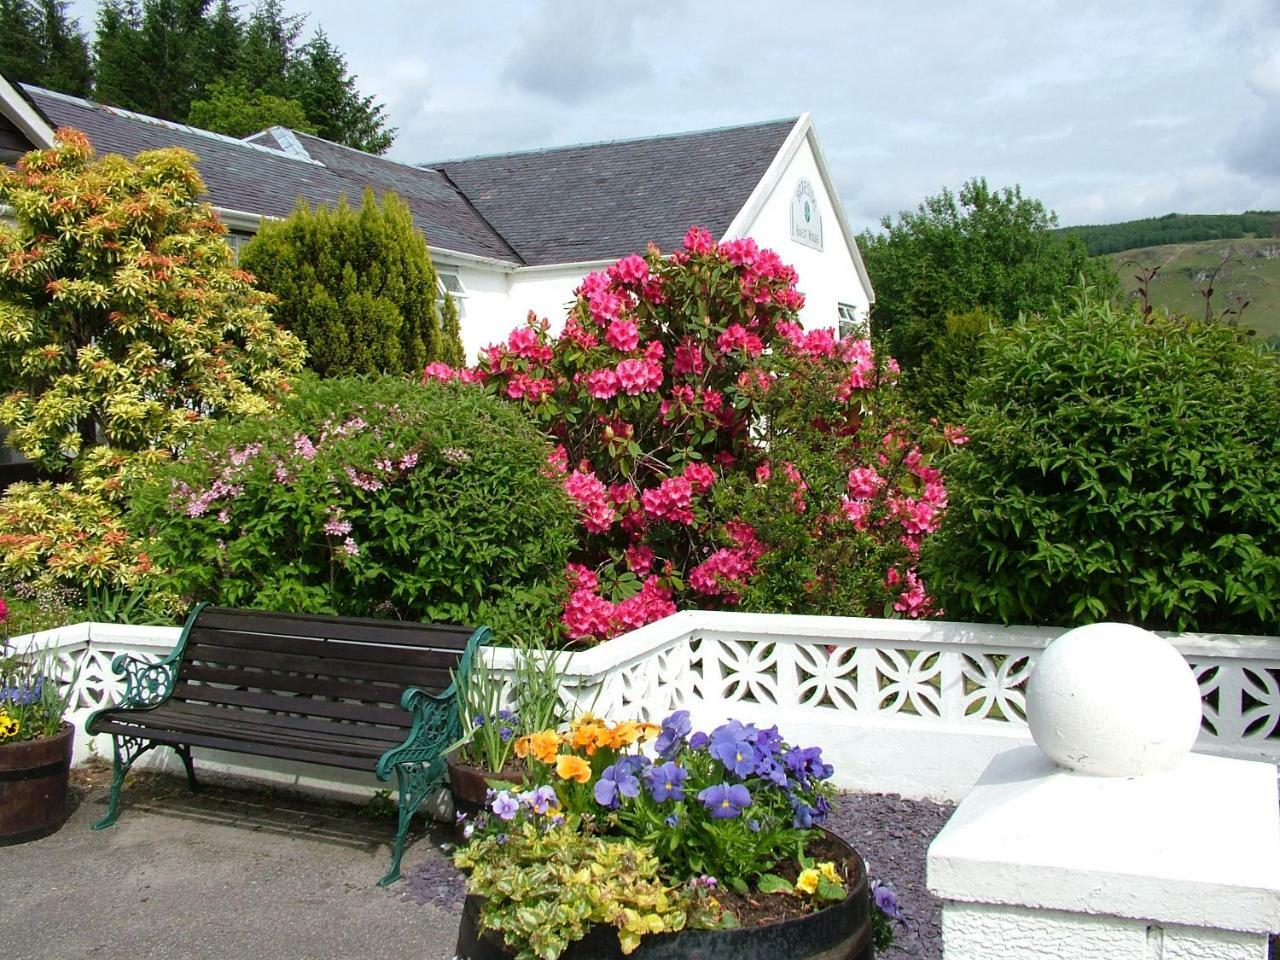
(828, 277)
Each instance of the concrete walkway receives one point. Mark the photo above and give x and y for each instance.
(228, 873)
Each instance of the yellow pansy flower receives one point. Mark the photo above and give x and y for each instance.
(828, 870)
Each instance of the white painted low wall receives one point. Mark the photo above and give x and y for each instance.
(912, 707)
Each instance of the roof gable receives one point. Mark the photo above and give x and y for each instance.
(604, 200)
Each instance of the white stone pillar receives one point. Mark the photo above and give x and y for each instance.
(1129, 847)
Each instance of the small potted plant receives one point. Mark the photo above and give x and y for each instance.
(664, 842)
(35, 742)
(495, 712)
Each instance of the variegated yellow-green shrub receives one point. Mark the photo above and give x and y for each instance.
(124, 326)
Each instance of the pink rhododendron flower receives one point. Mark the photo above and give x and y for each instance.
(736, 337)
(587, 615)
(741, 253)
(670, 500)
(652, 602)
(602, 384)
(623, 335)
(698, 241)
(639, 559)
(956, 435)
(591, 496)
(913, 601)
(580, 577)
(864, 482)
(856, 511)
(700, 477)
(688, 358)
(764, 472)
(630, 270)
(438, 371)
(639, 376)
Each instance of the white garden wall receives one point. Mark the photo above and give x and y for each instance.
(913, 707)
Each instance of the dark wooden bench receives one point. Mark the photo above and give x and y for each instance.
(359, 694)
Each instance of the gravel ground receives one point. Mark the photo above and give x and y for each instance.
(890, 832)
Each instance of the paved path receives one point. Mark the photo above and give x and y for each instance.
(215, 876)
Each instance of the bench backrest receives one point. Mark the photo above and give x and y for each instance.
(342, 669)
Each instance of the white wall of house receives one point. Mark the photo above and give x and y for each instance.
(488, 313)
(548, 291)
(828, 277)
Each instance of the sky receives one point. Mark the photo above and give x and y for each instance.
(1105, 111)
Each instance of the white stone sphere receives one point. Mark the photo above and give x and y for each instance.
(1113, 700)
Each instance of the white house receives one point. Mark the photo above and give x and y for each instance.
(516, 232)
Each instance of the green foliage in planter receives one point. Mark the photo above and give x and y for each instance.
(1120, 468)
(357, 285)
(368, 497)
(545, 888)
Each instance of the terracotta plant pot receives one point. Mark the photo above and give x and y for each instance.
(469, 784)
(33, 786)
(841, 931)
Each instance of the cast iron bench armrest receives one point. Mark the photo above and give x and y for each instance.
(146, 684)
(435, 727)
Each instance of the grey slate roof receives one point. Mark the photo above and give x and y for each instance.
(568, 204)
(254, 178)
(604, 200)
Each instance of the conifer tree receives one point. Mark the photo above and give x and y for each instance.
(357, 286)
(40, 44)
(320, 81)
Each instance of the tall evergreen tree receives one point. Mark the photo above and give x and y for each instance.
(328, 93)
(20, 54)
(67, 64)
(40, 44)
(269, 49)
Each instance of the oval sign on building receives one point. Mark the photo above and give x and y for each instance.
(806, 221)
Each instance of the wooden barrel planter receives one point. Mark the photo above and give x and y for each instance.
(33, 786)
(841, 931)
(470, 784)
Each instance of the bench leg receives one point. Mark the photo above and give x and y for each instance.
(416, 780)
(184, 752)
(125, 750)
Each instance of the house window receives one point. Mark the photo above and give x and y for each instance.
(449, 283)
(236, 242)
(851, 325)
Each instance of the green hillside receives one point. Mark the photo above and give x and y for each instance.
(1252, 270)
(1175, 228)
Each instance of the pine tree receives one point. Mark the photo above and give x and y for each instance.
(269, 49)
(357, 286)
(321, 83)
(40, 44)
(66, 51)
(21, 58)
(151, 57)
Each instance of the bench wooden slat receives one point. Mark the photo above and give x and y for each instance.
(342, 739)
(254, 719)
(431, 679)
(232, 745)
(324, 649)
(385, 715)
(305, 686)
(386, 632)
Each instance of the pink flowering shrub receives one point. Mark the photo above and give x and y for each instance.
(368, 498)
(718, 454)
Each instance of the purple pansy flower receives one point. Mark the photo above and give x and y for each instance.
(618, 780)
(674, 730)
(541, 799)
(505, 806)
(666, 781)
(725, 800)
(886, 901)
(733, 744)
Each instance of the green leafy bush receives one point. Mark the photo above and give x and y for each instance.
(1121, 468)
(981, 247)
(368, 498)
(357, 285)
(939, 387)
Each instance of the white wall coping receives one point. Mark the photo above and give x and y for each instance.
(1198, 845)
